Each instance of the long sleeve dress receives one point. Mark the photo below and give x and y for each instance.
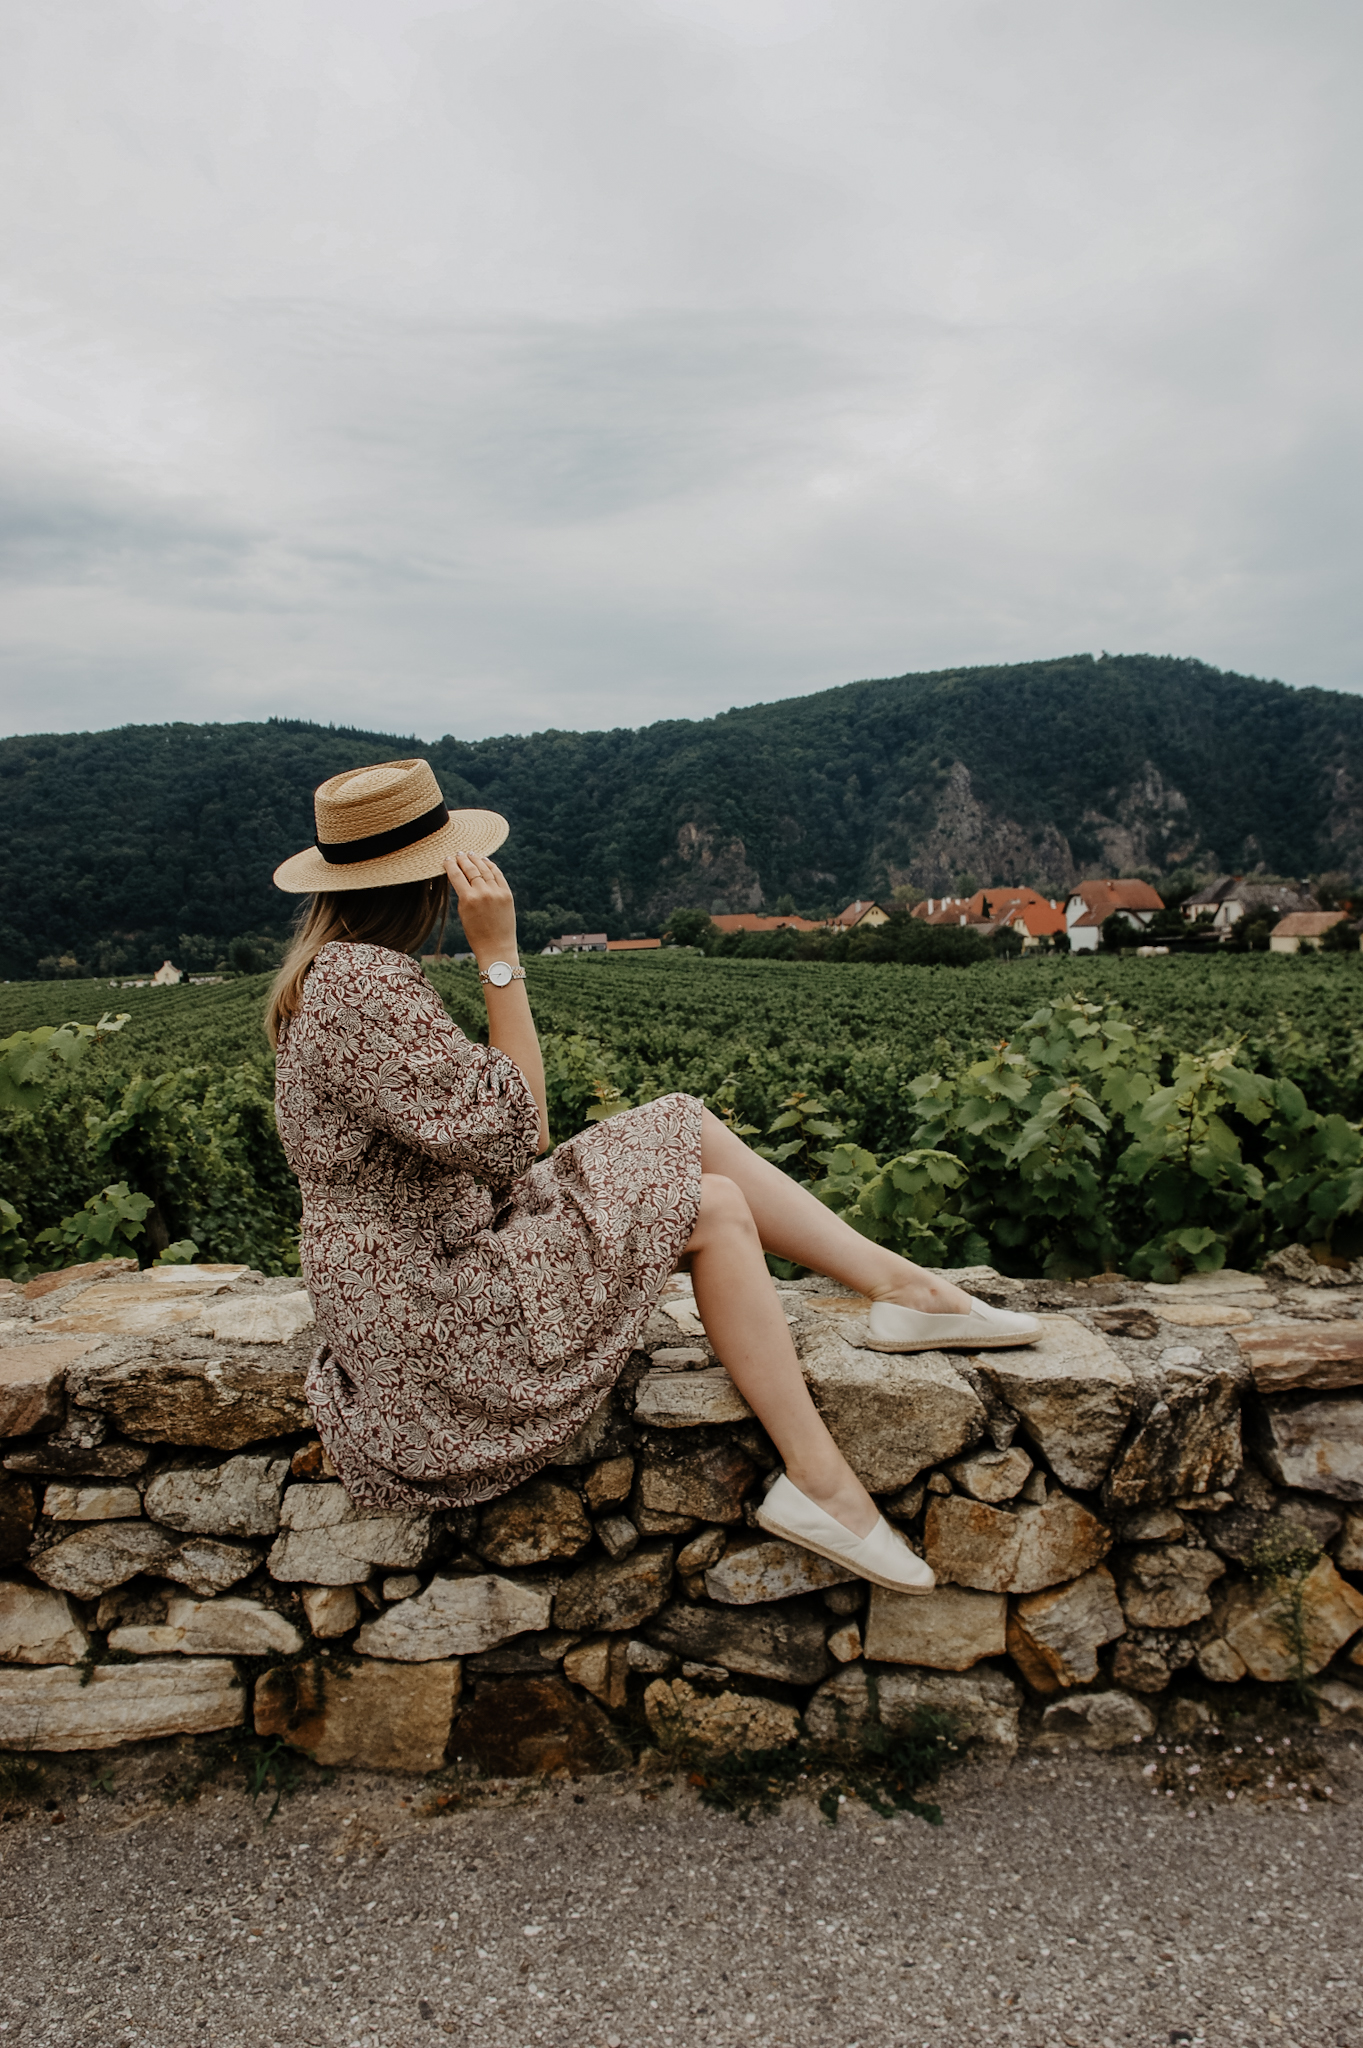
(474, 1302)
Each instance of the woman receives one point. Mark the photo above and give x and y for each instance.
(477, 1302)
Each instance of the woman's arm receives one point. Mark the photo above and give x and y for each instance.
(487, 912)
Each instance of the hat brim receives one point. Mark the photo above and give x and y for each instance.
(308, 874)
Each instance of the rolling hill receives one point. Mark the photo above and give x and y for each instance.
(1037, 772)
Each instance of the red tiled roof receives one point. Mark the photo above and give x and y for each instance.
(986, 906)
(748, 923)
(1102, 898)
(630, 945)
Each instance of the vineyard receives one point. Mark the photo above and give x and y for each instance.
(910, 1098)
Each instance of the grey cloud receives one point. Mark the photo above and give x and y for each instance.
(487, 366)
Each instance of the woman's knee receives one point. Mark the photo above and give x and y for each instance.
(723, 1208)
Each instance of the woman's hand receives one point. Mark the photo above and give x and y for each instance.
(487, 909)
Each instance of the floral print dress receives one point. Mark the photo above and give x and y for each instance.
(475, 1302)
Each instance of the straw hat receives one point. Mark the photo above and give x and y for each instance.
(385, 824)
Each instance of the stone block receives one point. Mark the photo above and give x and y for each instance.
(615, 1593)
(1344, 1700)
(401, 1586)
(62, 1708)
(18, 1513)
(104, 1555)
(1202, 1315)
(845, 1643)
(1249, 1287)
(212, 1628)
(1266, 1621)
(983, 1705)
(607, 1433)
(720, 1724)
(91, 1503)
(327, 1541)
(1188, 1444)
(1072, 1394)
(768, 1569)
(456, 1617)
(1151, 1525)
(701, 1551)
(1167, 1586)
(79, 1454)
(215, 1401)
(617, 1535)
(372, 1717)
(1315, 1445)
(158, 1302)
(1140, 1665)
(1349, 1554)
(43, 1284)
(601, 1666)
(256, 1317)
(210, 1564)
(992, 1475)
(1055, 1636)
(683, 1400)
(38, 1627)
(706, 1485)
(1300, 1357)
(331, 1610)
(1097, 1720)
(609, 1482)
(1217, 1661)
(240, 1497)
(31, 1380)
(948, 1629)
(642, 1656)
(891, 1414)
(533, 1727)
(997, 1550)
(784, 1642)
(536, 1524)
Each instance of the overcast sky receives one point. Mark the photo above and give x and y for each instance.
(480, 365)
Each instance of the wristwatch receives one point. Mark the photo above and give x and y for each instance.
(500, 974)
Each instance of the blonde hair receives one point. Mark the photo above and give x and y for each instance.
(400, 915)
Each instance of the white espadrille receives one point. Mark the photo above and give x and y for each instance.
(892, 1328)
(883, 1557)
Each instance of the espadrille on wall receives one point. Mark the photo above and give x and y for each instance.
(385, 824)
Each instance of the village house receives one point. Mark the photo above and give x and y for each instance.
(1033, 916)
(631, 945)
(579, 942)
(1304, 928)
(1091, 904)
(1226, 901)
(863, 912)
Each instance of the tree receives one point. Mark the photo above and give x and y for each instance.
(1116, 933)
(689, 928)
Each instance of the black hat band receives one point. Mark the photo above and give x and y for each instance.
(344, 853)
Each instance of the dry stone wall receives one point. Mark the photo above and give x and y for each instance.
(1166, 1491)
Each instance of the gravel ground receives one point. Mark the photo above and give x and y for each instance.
(1066, 1899)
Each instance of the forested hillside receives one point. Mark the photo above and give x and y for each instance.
(134, 840)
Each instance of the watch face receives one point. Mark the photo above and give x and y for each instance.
(499, 974)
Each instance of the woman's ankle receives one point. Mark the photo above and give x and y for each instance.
(930, 1293)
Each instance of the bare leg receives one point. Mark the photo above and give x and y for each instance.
(793, 1225)
(746, 1325)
